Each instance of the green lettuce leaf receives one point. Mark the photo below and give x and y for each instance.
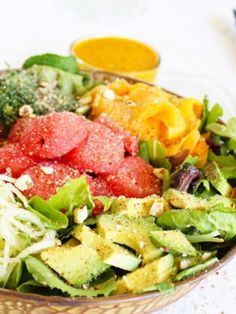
(74, 194)
(51, 217)
(216, 219)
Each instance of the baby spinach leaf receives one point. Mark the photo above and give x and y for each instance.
(43, 275)
(189, 272)
(67, 64)
(51, 217)
(75, 193)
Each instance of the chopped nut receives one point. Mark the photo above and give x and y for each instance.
(80, 214)
(24, 182)
(118, 227)
(206, 255)
(157, 209)
(46, 170)
(184, 264)
(141, 244)
(109, 94)
(159, 172)
(26, 111)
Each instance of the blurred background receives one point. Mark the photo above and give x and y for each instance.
(197, 44)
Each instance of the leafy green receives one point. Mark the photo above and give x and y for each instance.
(74, 194)
(214, 114)
(51, 217)
(67, 64)
(204, 189)
(163, 287)
(192, 160)
(228, 130)
(143, 150)
(185, 218)
(189, 272)
(30, 286)
(209, 237)
(222, 160)
(205, 105)
(43, 275)
(15, 276)
(231, 144)
(154, 152)
(216, 219)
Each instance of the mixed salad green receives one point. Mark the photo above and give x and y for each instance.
(76, 244)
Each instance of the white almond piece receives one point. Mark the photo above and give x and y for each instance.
(184, 264)
(80, 214)
(47, 170)
(109, 94)
(157, 209)
(26, 111)
(141, 244)
(24, 182)
(206, 255)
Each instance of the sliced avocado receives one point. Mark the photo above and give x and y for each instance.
(139, 207)
(213, 173)
(174, 240)
(132, 232)
(77, 264)
(153, 273)
(111, 254)
(184, 200)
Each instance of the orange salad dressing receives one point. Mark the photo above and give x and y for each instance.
(117, 54)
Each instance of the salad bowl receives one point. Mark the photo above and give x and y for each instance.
(13, 302)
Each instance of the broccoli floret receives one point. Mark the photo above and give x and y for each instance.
(43, 88)
(16, 90)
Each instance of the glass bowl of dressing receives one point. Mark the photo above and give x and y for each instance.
(120, 55)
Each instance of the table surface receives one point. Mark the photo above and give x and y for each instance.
(197, 43)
